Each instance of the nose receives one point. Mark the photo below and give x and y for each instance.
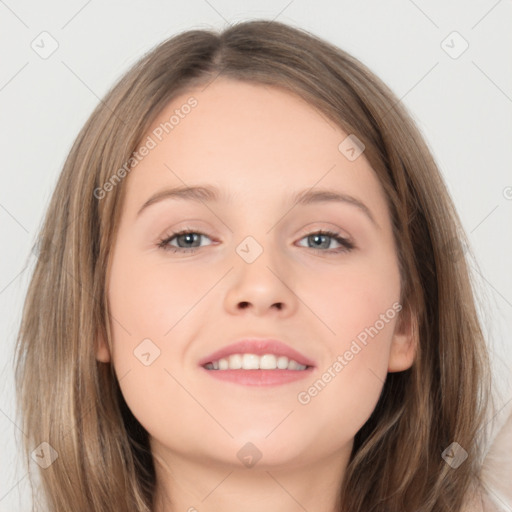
(261, 287)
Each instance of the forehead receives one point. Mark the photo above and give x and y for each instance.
(251, 140)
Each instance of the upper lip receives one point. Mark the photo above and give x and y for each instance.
(258, 347)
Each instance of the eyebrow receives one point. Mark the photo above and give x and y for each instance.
(213, 194)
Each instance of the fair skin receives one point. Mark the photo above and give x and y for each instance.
(259, 145)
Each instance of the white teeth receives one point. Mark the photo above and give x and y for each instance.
(282, 362)
(268, 362)
(255, 362)
(250, 362)
(293, 365)
(235, 361)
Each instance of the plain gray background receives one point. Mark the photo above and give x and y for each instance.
(461, 101)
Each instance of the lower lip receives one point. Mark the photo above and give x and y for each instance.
(260, 377)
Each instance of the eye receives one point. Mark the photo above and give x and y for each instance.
(187, 237)
(321, 240)
(188, 241)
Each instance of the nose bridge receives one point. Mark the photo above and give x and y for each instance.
(259, 256)
(258, 231)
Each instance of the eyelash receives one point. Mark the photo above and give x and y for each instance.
(346, 244)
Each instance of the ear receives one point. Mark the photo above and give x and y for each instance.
(102, 350)
(405, 342)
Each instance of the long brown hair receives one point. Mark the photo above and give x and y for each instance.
(73, 402)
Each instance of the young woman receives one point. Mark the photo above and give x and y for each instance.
(251, 293)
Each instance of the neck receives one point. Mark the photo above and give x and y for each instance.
(185, 485)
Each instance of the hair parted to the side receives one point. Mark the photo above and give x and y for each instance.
(70, 400)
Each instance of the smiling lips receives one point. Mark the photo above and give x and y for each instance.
(257, 362)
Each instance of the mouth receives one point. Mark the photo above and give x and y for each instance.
(257, 363)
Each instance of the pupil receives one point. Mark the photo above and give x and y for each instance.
(189, 237)
(318, 238)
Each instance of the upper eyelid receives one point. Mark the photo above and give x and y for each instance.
(319, 226)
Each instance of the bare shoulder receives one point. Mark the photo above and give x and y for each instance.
(479, 500)
(494, 491)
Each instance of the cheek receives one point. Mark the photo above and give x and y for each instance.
(358, 308)
(349, 382)
(148, 300)
(146, 303)
(350, 298)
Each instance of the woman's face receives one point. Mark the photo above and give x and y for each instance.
(257, 268)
